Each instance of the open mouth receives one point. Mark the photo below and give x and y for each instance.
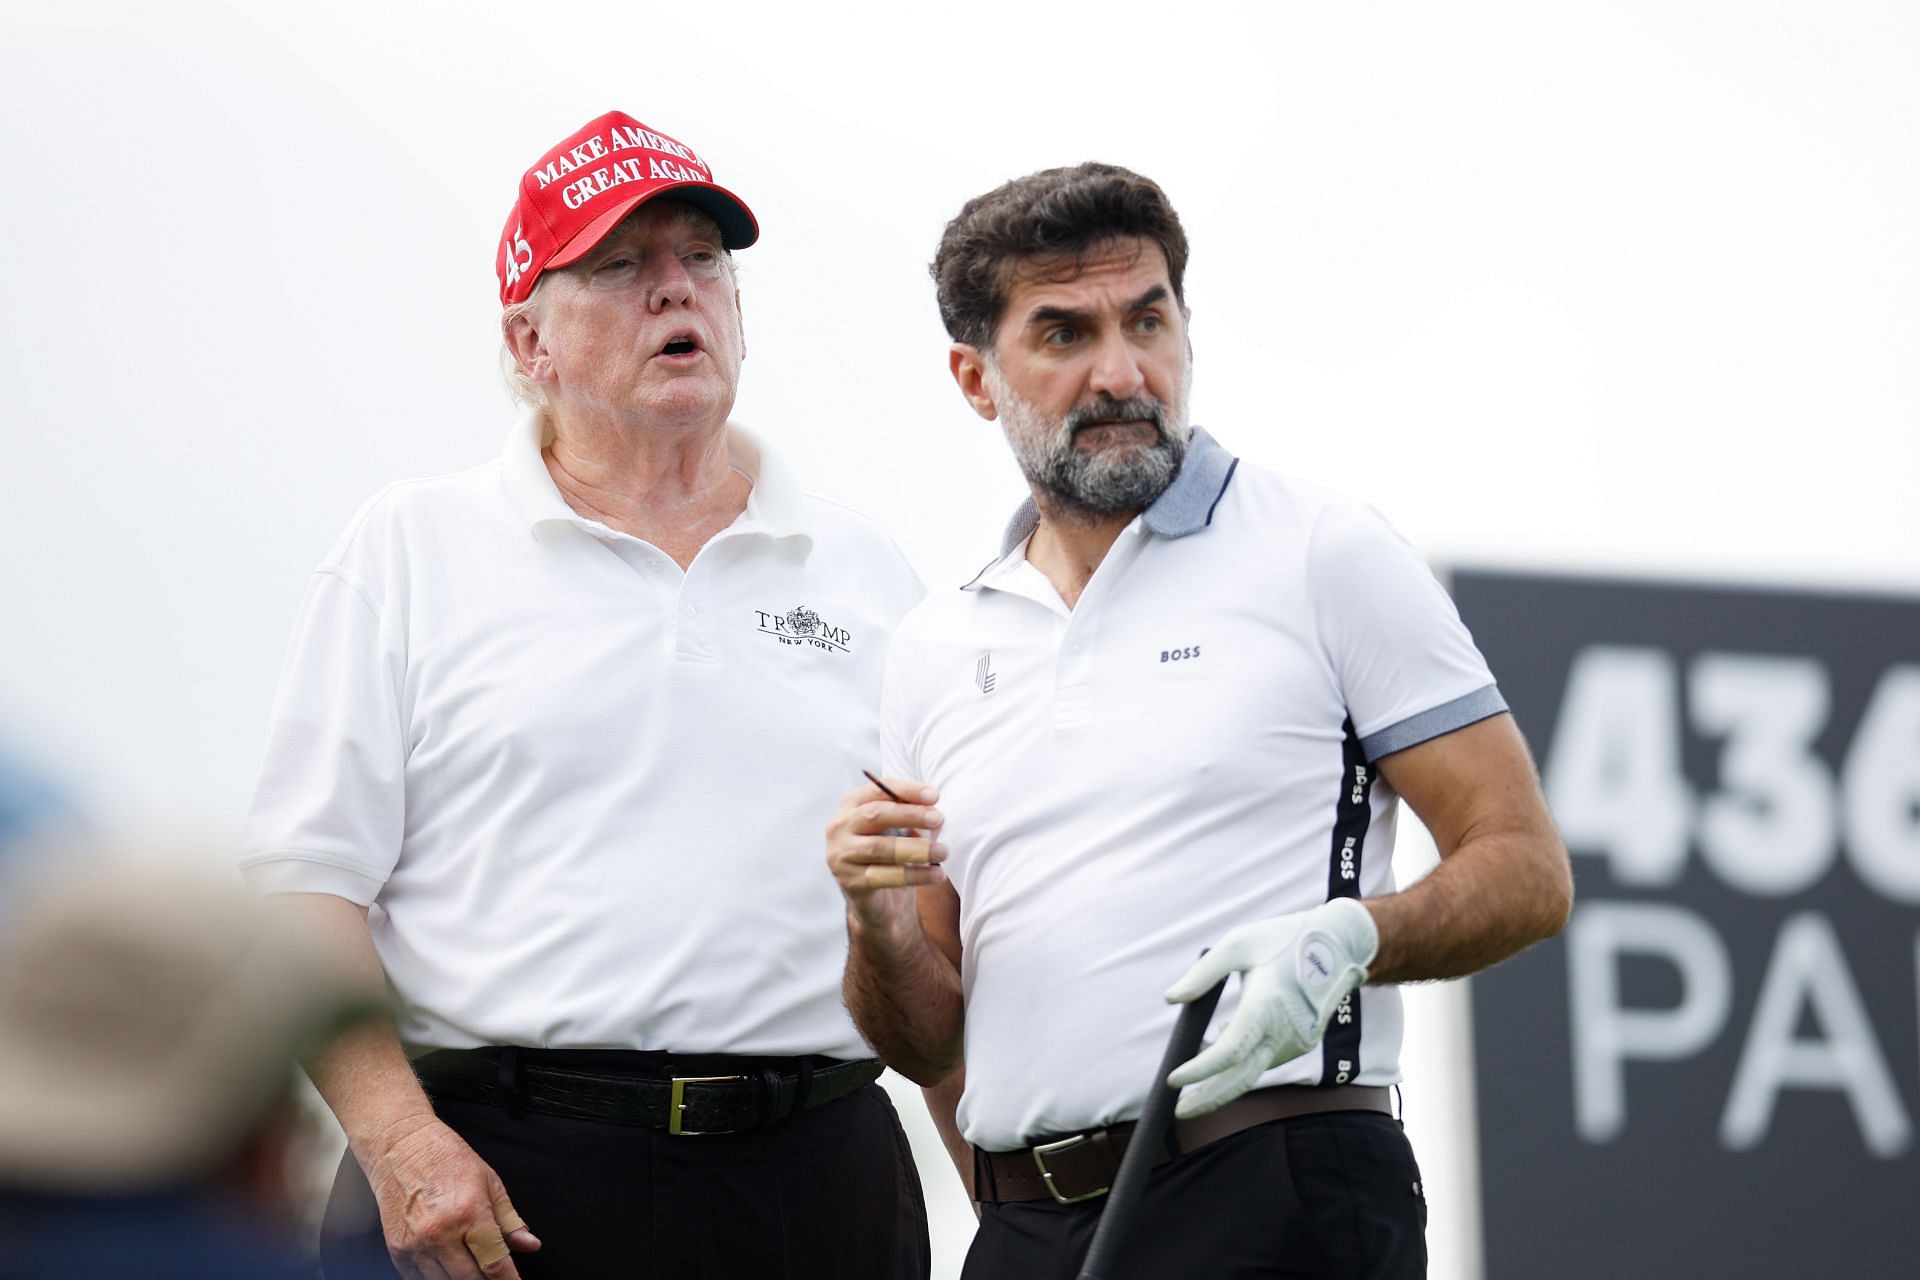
(680, 347)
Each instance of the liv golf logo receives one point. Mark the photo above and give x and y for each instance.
(802, 626)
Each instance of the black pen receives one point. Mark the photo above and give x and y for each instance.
(885, 790)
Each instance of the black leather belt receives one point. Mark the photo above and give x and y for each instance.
(687, 1094)
(1082, 1166)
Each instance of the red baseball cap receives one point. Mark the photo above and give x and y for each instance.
(597, 175)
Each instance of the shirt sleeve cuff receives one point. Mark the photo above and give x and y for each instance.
(1429, 724)
(293, 872)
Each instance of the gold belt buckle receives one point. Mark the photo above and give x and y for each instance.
(677, 1104)
(1040, 1154)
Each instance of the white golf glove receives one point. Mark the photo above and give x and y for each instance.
(1294, 972)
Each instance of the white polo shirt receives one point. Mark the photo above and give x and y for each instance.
(583, 791)
(1188, 749)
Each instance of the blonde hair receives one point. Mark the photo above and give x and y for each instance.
(525, 391)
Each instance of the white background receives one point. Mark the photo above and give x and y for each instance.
(1627, 287)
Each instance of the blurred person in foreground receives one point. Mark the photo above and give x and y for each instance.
(150, 1018)
(548, 757)
(1174, 713)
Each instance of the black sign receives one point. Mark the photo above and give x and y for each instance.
(1716, 1070)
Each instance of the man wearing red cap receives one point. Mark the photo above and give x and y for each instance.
(548, 758)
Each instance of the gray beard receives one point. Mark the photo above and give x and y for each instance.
(1087, 487)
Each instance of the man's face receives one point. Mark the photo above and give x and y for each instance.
(646, 325)
(1089, 376)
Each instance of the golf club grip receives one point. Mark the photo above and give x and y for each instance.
(1116, 1216)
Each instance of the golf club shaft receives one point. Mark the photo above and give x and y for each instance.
(1151, 1130)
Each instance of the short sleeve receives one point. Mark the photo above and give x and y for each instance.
(890, 571)
(1406, 665)
(329, 811)
(896, 760)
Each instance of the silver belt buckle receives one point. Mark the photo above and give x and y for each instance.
(677, 1104)
(1040, 1154)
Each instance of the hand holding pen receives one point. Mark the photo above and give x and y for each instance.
(882, 840)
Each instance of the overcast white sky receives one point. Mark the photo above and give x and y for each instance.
(1627, 287)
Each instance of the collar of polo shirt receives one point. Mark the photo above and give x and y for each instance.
(774, 505)
(1186, 506)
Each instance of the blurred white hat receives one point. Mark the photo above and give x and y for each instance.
(150, 1018)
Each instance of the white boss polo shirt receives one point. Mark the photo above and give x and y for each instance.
(583, 791)
(1188, 749)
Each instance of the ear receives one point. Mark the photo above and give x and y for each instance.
(969, 369)
(529, 351)
(741, 316)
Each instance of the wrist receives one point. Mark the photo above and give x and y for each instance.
(1350, 921)
(886, 931)
(376, 1139)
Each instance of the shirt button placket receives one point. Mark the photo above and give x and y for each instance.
(691, 639)
(1072, 684)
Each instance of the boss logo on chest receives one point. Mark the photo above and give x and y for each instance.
(1186, 653)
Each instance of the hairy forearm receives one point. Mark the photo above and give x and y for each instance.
(363, 1075)
(1497, 894)
(905, 998)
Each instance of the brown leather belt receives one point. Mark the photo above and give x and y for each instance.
(1082, 1166)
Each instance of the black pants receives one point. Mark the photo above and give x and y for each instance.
(1322, 1197)
(830, 1194)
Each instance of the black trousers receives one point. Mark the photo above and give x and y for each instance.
(829, 1194)
(1322, 1197)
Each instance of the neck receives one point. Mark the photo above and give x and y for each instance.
(1069, 545)
(674, 488)
(640, 461)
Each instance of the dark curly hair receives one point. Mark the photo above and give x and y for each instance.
(1056, 214)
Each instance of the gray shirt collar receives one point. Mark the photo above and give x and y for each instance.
(1186, 506)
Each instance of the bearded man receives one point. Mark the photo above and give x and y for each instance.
(1175, 713)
